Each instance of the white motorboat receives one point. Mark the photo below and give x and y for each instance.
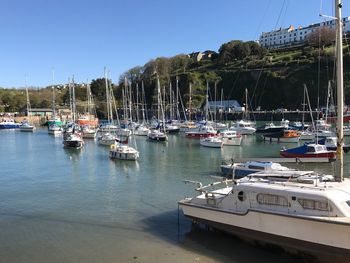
(231, 138)
(26, 127)
(141, 130)
(157, 135)
(243, 127)
(8, 123)
(123, 152)
(88, 132)
(54, 129)
(239, 170)
(212, 142)
(73, 140)
(298, 212)
(306, 135)
(107, 139)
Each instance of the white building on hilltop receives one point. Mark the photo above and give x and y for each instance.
(295, 36)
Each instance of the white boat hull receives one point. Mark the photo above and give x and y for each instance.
(27, 128)
(232, 141)
(335, 236)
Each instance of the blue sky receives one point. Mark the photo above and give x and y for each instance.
(80, 37)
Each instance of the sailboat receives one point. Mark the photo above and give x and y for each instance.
(88, 122)
(308, 213)
(26, 126)
(142, 129)
(158, 133)
(55, 123)
(107, 132)
(72, 137)
(244, 126)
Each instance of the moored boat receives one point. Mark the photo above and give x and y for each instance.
(243, 127)
(212, 142)
(123, 152)
(73, 140)
(8, 123)
(157, 135)
(310, 150)
(239, 170)
(283, 136)
(313, 206)
(201, 132)
(26, 127)
(231, 138)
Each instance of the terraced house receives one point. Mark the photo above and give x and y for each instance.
(285, 37)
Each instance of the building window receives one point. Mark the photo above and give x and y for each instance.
(270, 199)
(314, 204)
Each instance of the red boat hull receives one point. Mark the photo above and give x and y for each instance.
(199, 135)
(330, 155)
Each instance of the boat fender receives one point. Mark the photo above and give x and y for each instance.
(112, 147)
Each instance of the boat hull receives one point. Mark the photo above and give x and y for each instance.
(27, 128)
(129, 156)
(330, 155)
(9, 126)
(74, 144)
(195, 135)
(281, 139)
(211, 144)
(232, 141)
(313, 236)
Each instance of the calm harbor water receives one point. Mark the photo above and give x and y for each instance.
(59, 205)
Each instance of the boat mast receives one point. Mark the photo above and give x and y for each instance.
(177, 98)
(207, 103)
(107, 98)
(28, 103)
(340, 102)
(53, 95)
(190, 103)
(137, 102)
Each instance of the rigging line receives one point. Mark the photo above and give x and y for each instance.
(234, 83)
(257, 81)
(263, 18)
(285, 12)
(280, 13)
(262, 90)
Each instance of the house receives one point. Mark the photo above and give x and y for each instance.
(291, 36)
(225, 105)
(201, 56)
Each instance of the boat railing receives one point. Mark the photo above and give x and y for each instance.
(203, 189)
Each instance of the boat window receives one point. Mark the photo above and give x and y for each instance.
(314, 204)
(348, 203)
(241, 196)
(269, 199)
(310, 149)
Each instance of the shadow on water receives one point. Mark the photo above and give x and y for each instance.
(176, 229)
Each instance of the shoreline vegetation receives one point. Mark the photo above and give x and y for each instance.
(273, 78)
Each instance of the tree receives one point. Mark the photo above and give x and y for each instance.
(322, 36)
(233, 50)
(179, 63)
(256, 50)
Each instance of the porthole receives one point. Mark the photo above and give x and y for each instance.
(241, 196)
